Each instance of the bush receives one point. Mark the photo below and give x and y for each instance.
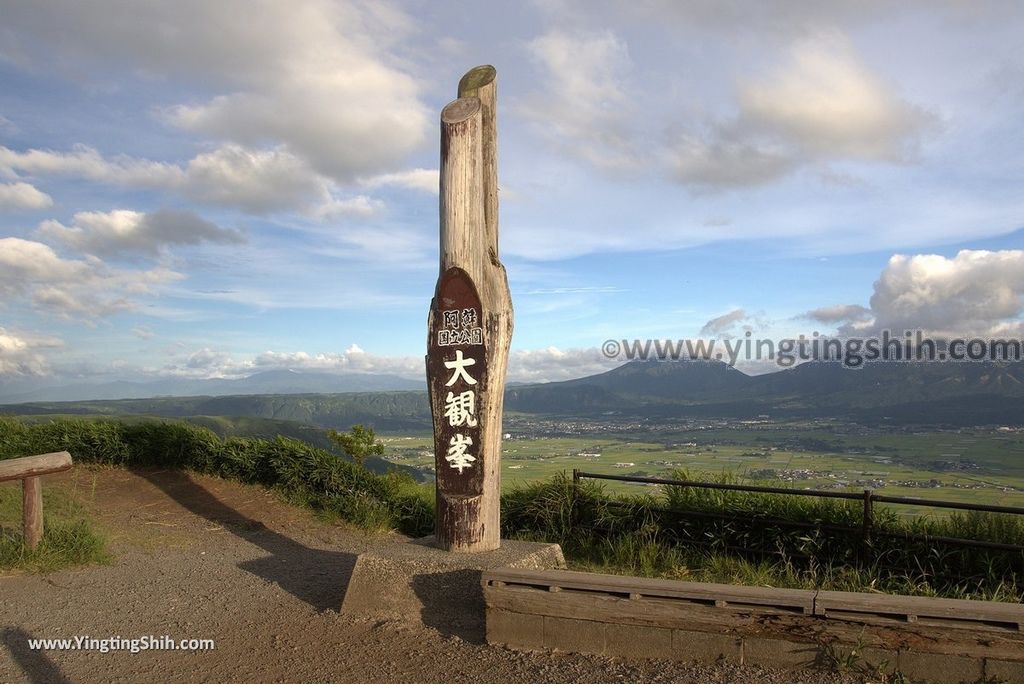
(318, 478)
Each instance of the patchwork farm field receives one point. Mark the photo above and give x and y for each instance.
(978, 466)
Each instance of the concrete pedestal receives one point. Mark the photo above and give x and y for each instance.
(416, 581)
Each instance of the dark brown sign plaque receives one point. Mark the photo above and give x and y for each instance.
(457, 380)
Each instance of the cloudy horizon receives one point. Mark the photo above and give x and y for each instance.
(187, 195)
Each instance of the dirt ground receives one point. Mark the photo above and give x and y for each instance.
(198, 557)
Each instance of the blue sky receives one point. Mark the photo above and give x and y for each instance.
(199, 189)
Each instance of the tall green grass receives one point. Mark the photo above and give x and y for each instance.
(673, 533)
(676, 534)
(68, 537)
(319, 479)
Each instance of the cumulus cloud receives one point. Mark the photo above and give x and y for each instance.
(977, 292)
(258, 181)
(318, 78)
(525, 365)
(123, 231)
(22, 196)
(552, 364)
(825, 101)
(85, 162)
(583, 105)
(82, 288)
(820, 104)
(212, 363)
(426, 180)
(20, 355)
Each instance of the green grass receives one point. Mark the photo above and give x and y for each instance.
(831, 456)
(68, 537)
(657, 535)
(303, 474)
(640, 531)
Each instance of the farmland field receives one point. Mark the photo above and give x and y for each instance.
(978, 466)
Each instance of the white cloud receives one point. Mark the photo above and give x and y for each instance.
(535, 365)
(426, 180)
(84, 288)
(123, 231)
(722, 324)
(352, 360)
(258, 181)
(826, 102)
(583, 106)
(20, 356)
(86, 162)
(840, 313)
(358, 206)
(22, 196)
(976, 292)
(317, 77)
(820, 104)
(552, 364)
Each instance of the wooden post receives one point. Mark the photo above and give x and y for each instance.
(867, 523)
(29, 469)
(470, 325)
(32, 510)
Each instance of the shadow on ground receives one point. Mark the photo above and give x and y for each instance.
(453, 603)
(320, 578)
(38, 668)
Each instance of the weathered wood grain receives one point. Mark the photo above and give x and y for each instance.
(31, 466)
(32, 510)
(469, 521)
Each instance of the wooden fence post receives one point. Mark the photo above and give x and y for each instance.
(470, 325)
(867, 523)
(32, 510)
(29, 469)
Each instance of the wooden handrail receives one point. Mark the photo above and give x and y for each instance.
(28, 469)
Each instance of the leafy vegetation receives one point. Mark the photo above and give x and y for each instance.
(684, 533)
(360, 443)
(68, 537)
(704, 535)
(305, 474)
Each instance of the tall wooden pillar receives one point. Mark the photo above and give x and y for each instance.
(470, 324)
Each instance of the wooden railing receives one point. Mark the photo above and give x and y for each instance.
(29, 469)
(866, 530)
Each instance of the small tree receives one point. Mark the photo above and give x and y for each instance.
(359, 442)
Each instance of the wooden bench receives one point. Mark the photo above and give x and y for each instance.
(29, 469)
(930, 639)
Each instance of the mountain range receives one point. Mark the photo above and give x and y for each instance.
(955, 394)
(266, 382)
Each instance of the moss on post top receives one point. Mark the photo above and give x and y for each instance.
(476, 78)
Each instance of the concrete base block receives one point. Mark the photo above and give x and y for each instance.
(516, 630)
(780, 653)
(937, 668)
(574, 636)
(637, 641)
(1004, 670)
(706, 648)
(416, 581)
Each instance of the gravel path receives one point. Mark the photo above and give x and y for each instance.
(198, 557)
